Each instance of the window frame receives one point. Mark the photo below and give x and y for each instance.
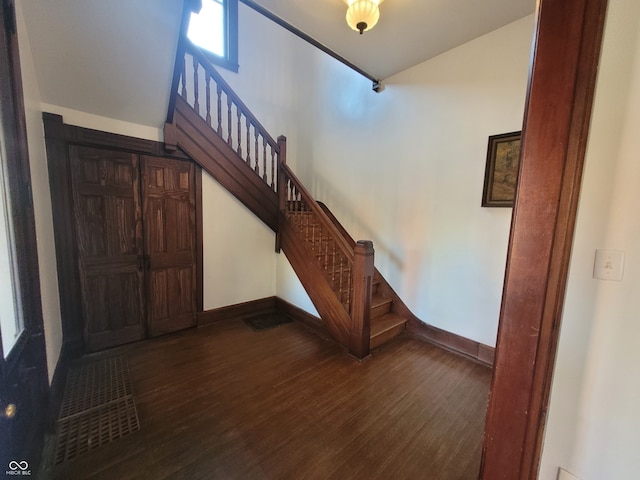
(230, 58)
(17, 184)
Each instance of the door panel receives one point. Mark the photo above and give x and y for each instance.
(170, 243)
(108, 220)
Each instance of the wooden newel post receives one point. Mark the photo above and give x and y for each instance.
(359, 337)
(282, 187)
(170, 137)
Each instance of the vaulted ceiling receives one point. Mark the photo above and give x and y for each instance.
(408, 32)
(95, 55)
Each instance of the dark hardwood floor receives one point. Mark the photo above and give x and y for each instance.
(225, 402)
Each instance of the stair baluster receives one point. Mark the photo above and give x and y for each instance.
(196, 104)
(229, 128)
(239, 114)
(294, 211)
(248, 142)
(219, 94)
(207, 81)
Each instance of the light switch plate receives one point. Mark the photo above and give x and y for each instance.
(608, 265)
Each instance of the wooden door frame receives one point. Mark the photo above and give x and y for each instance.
(24, 372)
(562, 79)
(58, 138)
(567, 42)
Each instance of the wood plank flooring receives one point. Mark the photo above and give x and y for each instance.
(225, 402)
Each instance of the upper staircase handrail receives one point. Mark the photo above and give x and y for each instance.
(203, 60)
(319, 213)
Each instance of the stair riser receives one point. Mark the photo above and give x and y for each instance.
(380, 310)
(387, 336)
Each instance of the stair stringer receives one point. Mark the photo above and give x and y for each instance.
(397, 306)
(334, 316)
(198, 140)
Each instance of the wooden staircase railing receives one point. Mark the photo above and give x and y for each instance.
(211, 124)
(200, 85)
(330, 251)
(347, 269)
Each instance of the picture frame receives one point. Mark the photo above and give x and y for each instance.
(501, 170)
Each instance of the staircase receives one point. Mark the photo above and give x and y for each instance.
(385, 325)
(389, 315)
(209, 122)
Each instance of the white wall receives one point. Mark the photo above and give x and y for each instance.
(239, 258)
(105, 124)
(409, 169)
(594, 418)
(404, 167)
(239, 250)
(41, 201)
(96, 56)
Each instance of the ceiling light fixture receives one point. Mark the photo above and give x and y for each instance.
(362, 15)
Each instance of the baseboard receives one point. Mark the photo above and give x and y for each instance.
(450, 341)
(261, 306)
(302, 316)
(237, 311)
(415, 328)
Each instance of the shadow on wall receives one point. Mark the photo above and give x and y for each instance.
(338, 204)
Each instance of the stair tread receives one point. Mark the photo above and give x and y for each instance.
(386, 322)
(377, 300)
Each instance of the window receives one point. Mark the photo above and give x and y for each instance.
(11, 319)
(215, 30)
(20, 304)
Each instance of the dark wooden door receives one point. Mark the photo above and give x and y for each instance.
(170, 243)
(108, 220)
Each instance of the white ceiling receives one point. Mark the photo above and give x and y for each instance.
(95, 55)
(408, 32)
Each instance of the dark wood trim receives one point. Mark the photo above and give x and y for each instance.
(377, 86)
(263, 305)
(188, 7)
(450, 341)
(64, 230)
(19, 176)
(416, 327)
(58, 137)
(23, 374)
(335, 317)
(199, 242)
(486, 354)
(296, 313)
(97, 138)
(237, 311)
(203, 60)
(282, 187)
(561, 86)
(231, 62)
(360, 332)
(169, 134)
(218, 159)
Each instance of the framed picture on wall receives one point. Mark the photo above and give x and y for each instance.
(501, 171)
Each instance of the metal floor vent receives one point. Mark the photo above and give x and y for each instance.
(97, 408)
